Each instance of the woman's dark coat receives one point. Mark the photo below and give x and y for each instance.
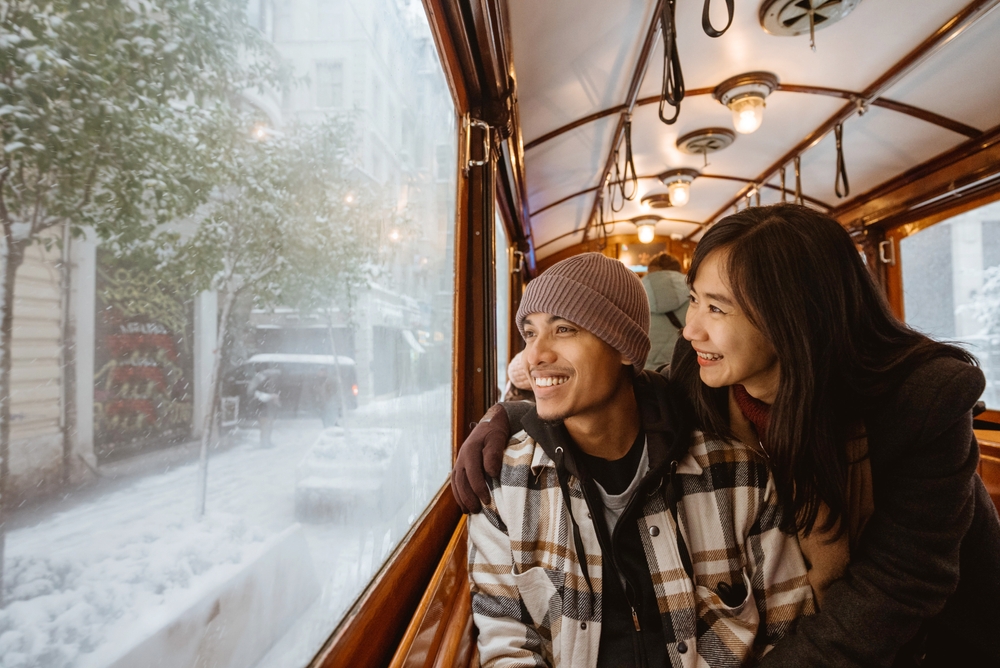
(928, 564)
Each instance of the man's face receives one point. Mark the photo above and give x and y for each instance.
(572, 371)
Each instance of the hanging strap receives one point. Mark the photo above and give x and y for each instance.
(798, 179)
(784, 193)
(628, 173)
(841, 177)
(672, 91)
(706, 19)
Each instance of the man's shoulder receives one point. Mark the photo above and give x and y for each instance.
(522, 456)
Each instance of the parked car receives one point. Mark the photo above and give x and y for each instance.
(306, 385)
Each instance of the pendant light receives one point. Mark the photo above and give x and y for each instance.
(745, 94)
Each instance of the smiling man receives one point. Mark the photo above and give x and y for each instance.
(616, 535)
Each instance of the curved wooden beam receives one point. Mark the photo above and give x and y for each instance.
(900, 107)
(739, 179)
(580, 230)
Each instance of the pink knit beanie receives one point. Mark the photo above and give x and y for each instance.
(599, 294)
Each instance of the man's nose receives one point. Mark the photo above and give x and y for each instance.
(539, 351)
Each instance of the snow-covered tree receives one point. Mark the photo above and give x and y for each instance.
(288, 223)
(104, 108)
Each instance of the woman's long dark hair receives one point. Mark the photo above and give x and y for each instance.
(800, 280)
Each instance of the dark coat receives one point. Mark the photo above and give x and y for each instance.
(928, 564)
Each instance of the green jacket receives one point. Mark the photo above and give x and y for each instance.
(667, 292)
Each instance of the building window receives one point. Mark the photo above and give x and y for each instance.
(329, 84)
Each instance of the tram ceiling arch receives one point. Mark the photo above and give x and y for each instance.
(904, 92)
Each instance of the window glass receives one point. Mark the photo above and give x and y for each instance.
(951, 286)
(232, 336)
(503, 303)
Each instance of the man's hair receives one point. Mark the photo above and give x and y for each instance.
(664, 261)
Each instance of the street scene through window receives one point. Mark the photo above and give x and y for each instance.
(951, 286)
(227, 301)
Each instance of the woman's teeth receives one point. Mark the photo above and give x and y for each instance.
(712, 357)
(549, 381)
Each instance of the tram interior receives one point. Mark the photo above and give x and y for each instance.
(365, 187)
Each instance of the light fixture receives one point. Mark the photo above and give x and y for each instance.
(646, 227)
(656, 201)
(678, 183)
(744, 94)
(704, 141)
(794, 17)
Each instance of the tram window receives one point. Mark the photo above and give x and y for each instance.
(951, 286)
(503, 303)
(330, 288)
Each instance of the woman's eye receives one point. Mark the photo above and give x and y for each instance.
(715, 309)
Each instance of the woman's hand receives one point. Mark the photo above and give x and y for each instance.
(480, 456)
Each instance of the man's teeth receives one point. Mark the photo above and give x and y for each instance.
(549, 381)
(712, 357)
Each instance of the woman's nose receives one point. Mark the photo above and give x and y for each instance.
(693, 331)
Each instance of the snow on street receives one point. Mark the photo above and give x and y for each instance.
(93, 571)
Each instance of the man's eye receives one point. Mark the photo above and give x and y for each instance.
(562, 329)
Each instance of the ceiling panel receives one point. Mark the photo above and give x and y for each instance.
(573, 57)
(966, 65)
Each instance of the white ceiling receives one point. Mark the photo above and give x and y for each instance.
(573, 58)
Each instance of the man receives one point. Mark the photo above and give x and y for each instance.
(668, 293)
(615, 535)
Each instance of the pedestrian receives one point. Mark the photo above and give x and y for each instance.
(264, 389)
(667, 291)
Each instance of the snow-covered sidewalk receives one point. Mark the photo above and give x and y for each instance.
(86, 575)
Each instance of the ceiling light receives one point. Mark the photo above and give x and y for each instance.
(678, 183)
(656, 201)
(646, 227)
(744, 94)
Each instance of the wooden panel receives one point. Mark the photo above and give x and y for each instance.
(989, 463)
(371, 631)
(438, 625)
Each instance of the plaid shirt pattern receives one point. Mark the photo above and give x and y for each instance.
(531, 602)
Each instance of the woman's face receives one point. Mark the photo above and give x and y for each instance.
(731, 351)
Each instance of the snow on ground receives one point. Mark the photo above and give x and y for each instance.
(91, 572)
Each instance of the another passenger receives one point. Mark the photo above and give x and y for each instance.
(615, 535)
(868, 429)
(667, 292)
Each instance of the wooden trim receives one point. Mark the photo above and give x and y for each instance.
(967, 163)
(948, 31)
(372, 629)
(899, 107)
(433, 617)
(723, 177)
(448, 54)
(683, 250)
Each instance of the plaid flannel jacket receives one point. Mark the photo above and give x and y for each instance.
(532, 604)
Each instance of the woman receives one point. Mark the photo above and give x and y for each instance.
(868, 428)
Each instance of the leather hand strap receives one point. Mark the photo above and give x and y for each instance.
(706, 19)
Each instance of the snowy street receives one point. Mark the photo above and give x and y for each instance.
(90, 574)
